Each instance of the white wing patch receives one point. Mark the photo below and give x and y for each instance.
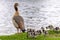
(15, 24)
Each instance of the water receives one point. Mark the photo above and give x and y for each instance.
(36, 14)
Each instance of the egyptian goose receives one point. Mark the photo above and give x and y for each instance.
(18, 20)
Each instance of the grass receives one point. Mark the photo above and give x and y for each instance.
(53, 35)
(53, 32)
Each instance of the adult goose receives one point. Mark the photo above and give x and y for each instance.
(18, 20)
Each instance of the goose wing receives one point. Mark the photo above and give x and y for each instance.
(19, 21)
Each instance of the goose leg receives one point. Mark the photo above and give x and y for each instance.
(20, 30)
(17, 30)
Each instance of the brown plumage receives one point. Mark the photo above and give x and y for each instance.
(18, 20)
